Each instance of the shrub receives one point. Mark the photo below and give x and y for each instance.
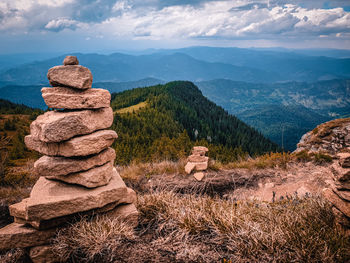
(322, 158)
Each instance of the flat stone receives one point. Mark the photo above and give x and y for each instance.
(58, 126)
(95, 177)
(50, 199)
(199, 176)
(67, 98)
(201, 166)
(344, 159)
(19, 236)
(129, 198)
(74, 76)
(55, 166)
(189, 167)
(197, 158)
(127, 213)
(70, 60)
(342, 205)
(199, 150)
(79, 146)
(42, 254)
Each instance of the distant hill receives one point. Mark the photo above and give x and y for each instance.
(282, 124)
(166, 120)
(298, 107)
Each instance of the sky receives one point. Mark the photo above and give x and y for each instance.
(109, 25)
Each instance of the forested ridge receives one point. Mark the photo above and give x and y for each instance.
(176, 117)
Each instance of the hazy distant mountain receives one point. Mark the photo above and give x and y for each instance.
(290, 66)
(194, 64)
(120, 67)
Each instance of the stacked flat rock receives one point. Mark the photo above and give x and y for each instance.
(339, 192)
(77, 176)
(198, 162)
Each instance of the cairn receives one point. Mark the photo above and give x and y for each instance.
(197, 161)
(339, 192)
(77, 176)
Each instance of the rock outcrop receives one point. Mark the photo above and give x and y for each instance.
(197, 161)
(333, 138)
(77, 177)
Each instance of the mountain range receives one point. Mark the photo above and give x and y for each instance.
(271, 89)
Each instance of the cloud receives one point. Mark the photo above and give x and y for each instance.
(178, 19)
(61, 24)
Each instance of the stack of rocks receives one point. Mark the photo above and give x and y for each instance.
(197, 161)
(339, 192)
(77, 176)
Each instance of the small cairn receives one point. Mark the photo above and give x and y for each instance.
(77, 177)
(339, 192)
(198, 162)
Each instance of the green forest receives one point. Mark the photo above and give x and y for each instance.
(174, 117)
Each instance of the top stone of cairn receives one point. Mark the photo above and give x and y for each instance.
(70, 60)
(70, 75)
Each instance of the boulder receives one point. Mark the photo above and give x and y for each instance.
(43, 254)
(97, 176)
(129, 198)
(340, 204)
(19, 236)
(78, 146)
(199, 176)
(58, 126)
(56, 166)
(197, 158)
(74, 76)
(67, 98)
(62, 199)
(70, 60)
(189, 167)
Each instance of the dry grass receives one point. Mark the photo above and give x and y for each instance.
(137, 173)
(189, 228)
(14, 256)
(269, 160)
(95, 240)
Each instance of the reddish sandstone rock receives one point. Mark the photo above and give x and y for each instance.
(97, 176)
(61, 199)
(56, 166)
(67, 98)
(78, 146)
(70, 60)
(57, 126)
(74, 76)
(19, 236)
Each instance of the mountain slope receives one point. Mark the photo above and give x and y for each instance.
(175, 116)
(298, 107)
